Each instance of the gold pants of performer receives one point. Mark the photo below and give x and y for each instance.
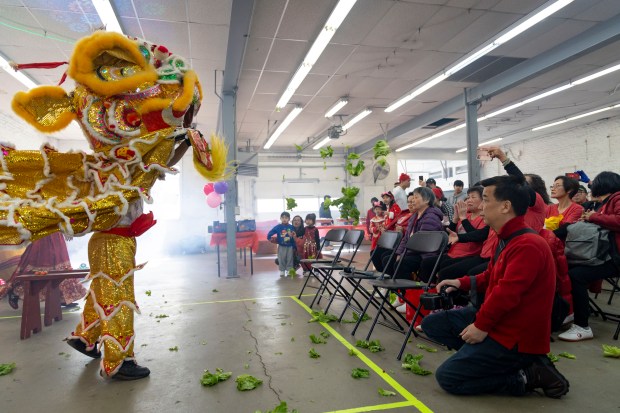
(108, 313)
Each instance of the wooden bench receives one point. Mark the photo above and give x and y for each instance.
(31, 308)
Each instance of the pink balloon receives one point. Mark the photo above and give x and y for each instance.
(214, 199)
(208, 188)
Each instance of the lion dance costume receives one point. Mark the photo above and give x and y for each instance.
(130, 99)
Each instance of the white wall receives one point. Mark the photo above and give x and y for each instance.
(594, 147)
(19, 133)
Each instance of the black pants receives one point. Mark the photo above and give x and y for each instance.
(378, 256)
(451, 268)
(580, 277)
(410, 264)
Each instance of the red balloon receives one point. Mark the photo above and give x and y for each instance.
(214, 199)
(208, 188)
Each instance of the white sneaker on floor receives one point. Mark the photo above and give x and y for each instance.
(402, 309)
(576, 333)
(281, 274)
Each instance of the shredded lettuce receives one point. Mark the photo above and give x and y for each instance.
(412, 363)
(211, 379)
(6, 368)
(247, 382)
(386, 393)
(611, 351)
(313, 354)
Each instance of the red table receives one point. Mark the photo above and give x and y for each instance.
(243, 240)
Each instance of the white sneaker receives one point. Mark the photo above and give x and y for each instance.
(281, 274)
(576, 333)
(402, 309)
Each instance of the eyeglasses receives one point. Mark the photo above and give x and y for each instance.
(556, 186)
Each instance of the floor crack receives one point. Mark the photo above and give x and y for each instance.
(260, 357)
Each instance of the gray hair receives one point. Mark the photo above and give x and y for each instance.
(427, 195)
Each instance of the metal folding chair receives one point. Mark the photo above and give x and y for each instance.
(333, 235)
(323, 271)
(389, 241)
(420, 243)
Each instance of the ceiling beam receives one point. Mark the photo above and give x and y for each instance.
(586, 42)
(240, 20)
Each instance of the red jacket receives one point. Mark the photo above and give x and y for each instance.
(519, 291)
(562, 280)
(609, 216)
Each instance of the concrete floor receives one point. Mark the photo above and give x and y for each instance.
(253, 325)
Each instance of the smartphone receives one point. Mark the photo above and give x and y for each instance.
(572, 175)
(483, 155)
(421, 177)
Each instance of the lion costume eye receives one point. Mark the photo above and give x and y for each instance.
(111, 73)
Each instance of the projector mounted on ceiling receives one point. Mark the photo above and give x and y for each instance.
(334, 132)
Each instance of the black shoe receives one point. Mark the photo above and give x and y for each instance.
(79, 345)
(131, 371)
(70, 305)
(13, 300)
(542, 374)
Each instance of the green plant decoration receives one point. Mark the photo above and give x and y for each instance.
(290, 204)
(346, 204)
(358, 168)
(326, 152)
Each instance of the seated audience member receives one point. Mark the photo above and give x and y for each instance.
(563, 189)
(399, 224)
(461, 257)
(502, 348)
(425, 218)
(458, 194)
(393, 210)
(606, 186)
(581, 197)
(377, 224)
(370, 214)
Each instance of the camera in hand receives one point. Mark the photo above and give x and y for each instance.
(437, 301)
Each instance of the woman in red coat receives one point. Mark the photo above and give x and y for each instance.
(606, 186)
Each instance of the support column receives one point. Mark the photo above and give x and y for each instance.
(229, 130)
(471, 128)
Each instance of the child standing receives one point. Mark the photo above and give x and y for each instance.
(298, 224)
(311, 242)
(377, 224)
(283, 234)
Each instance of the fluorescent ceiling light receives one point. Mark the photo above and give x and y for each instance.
(533, 18)
(480, 144)
(23, 79)
(321, 144)
(539, 15)
(416, 92)
(356, 119)
(334, 21)
(337, 106)
(434, 136)
(583, 115)
(107, 15)
(596, 75)
(287, 120)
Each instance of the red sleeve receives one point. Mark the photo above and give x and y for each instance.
(572, 214)
(517, 281)
(610, 220)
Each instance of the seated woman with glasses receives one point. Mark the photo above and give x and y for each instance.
(566, 211)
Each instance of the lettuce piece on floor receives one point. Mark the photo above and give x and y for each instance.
(412, 363)
(6, 368)
(281, 408)
(358, 373)
(247, 382)
(386, 393)
(211, 379)
(611, 351)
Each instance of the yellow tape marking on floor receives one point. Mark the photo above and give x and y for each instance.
(378, 407)
(400, 389)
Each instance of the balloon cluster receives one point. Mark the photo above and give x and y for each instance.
(214, 192)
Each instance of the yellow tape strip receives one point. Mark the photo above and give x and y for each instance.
(387, 406)
(413, 401)
(243, 299)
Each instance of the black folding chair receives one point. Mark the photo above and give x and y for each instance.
(423, 242)
(333, 235)
(389, 241)
(323, 271)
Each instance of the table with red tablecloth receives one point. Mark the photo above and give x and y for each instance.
(243, 240)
